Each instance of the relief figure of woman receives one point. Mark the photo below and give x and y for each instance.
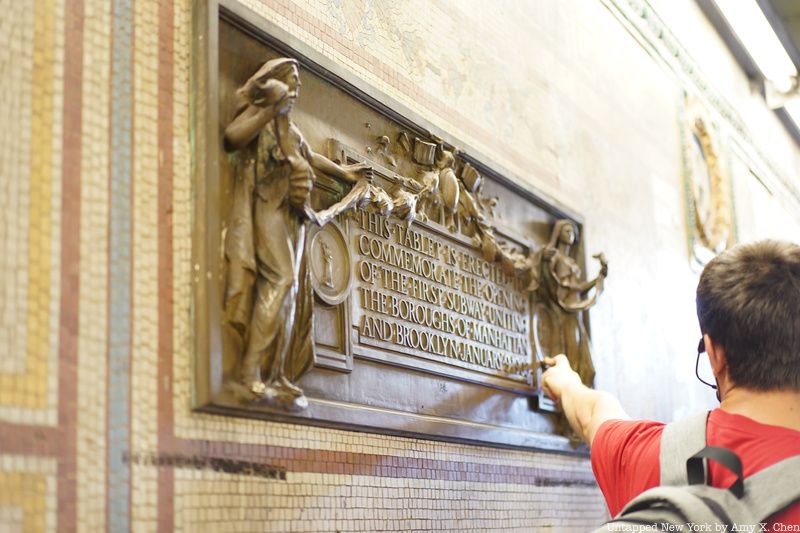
(565, 296)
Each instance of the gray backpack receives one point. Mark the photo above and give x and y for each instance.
(686, 502)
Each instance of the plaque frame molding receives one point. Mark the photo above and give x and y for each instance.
(206, 305)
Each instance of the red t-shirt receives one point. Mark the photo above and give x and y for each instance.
(626, 463)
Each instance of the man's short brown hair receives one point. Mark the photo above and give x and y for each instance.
(748, 301)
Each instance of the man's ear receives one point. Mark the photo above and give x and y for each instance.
(716, 356)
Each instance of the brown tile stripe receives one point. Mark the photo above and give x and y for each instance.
(70, 265)
(365, 464)
(166, 486)
(30, 440)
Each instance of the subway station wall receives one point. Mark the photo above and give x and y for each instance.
(579, 101)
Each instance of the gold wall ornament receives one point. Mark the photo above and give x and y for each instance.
(375, 275)
(708, 189)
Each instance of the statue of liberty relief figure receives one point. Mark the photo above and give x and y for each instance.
(327, 260)
(268, 293)
(562, 297)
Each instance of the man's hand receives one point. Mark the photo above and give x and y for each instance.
(265, 93)
(585, 409)
(301, 181)
(358, 171)
(603, 264)
(559, 377)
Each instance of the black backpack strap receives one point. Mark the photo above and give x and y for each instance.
(696, 467)
(774, 488)
(680, 440)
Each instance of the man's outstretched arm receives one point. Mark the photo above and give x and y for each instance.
(585, 409)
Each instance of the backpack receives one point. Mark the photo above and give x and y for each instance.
(685, 501)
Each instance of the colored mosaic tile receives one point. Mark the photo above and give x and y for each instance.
(28, 386)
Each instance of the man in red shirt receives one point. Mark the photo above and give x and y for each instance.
(748, 306)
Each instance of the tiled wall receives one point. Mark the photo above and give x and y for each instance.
(96, 427)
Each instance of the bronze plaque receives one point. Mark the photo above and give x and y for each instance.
(363, 269)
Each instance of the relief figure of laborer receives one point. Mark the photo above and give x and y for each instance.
(268, 298)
